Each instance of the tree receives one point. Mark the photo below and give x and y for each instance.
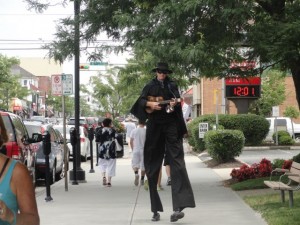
(201, 37)
(10, 86)
(291, 112)
(56, 103)
(110, 95)
(273, 93)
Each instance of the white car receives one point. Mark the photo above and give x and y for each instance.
(84, 141)
(282, 123)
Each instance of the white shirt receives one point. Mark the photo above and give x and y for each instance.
(130, 126)
(139, 136)
(186, 110)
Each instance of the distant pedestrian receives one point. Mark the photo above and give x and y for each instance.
(129, 126)
(187, 109)
(107, 152)
(137, 143)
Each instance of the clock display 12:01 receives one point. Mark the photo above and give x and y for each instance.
(250, 91)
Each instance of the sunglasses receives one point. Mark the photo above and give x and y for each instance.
(162, 71)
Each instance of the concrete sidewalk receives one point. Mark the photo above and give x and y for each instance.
(126, 204)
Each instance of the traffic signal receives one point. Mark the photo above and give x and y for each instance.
(84, 67)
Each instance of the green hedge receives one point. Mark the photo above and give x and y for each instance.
(224, 145)
(284, 138)
(255, 128)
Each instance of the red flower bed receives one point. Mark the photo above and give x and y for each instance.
(245, 172)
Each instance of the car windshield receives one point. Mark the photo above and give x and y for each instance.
(33, 129)
(72, 122)
(61, 129)
(39, 118)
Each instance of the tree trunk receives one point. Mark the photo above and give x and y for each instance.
(296, 77)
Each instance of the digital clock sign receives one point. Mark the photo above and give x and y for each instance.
(243, 87)
(243, 91)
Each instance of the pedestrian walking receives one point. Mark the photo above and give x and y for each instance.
(186, 109)
(129, 126)
(107, 152)
(137, 143)
(165, 130)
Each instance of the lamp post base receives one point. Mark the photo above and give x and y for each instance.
(80, 175)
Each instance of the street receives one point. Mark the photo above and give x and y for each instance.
(255, 156)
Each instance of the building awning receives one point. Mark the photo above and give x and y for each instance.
(188, 92)
(18, 104)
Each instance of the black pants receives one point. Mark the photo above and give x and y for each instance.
(161, 137)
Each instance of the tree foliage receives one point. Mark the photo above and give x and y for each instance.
(273, 93)
(291, 112)
(56, 103)
(109, 94)
(196, 37)
(10, 86)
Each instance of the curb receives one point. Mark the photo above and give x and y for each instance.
(279, 147)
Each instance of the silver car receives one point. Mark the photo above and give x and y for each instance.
(56, 157)
(84, 141)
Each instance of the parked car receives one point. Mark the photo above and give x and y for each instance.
(92, 122)
(18, 146)
(282, 123)
(84, 141)
(56, 156)
(40, 118)
(82, 122)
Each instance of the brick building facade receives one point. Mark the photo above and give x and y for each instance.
(210, 92)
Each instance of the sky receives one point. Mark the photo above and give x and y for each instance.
(23, 32)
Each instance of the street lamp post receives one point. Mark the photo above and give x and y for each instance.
(46, 114)
(80, 173)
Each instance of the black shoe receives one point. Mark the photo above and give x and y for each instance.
(155, 217)
(176, 216)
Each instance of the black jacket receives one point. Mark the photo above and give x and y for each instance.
(168, 90)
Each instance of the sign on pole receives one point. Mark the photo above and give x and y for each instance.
(203, 128)
(67, 84)
(56, 84)
(275, 111)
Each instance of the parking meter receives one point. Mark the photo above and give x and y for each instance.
(91, 133)
(73, 140)
(46, 144)
(73, 137)
(47, 151)
(98, 132)
(91, 138)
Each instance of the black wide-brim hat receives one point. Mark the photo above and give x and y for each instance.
(162, 66)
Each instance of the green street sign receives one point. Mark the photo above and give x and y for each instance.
(67, 84)
(96, 63)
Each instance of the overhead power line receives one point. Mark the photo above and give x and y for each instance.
(42, 14)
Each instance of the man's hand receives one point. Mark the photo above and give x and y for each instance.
(154, 105)
(173, 102)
